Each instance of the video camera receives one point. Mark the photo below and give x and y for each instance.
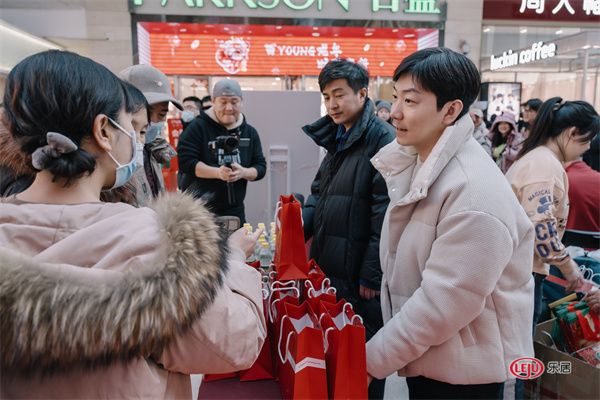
(226, 150)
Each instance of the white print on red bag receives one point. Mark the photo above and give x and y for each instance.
(526, 368)
(299, 324)
(232, 55)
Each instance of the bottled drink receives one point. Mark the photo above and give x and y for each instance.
(265, 255)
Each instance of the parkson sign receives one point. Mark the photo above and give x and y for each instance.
(411, 6)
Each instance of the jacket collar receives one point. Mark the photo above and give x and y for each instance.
(324, 130)
(396, 163)
(57, 317)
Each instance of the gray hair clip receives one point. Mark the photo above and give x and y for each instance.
(558, 105)
(58, 144)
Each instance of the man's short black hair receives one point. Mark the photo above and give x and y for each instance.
(195, 100)
(447, 74)
(356, 75)
(534, 104)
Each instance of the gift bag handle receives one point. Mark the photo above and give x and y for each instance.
(272, 305)
(346, 320)
(278, 208)
(284, 285)
(276, 216)
(287, 342)
(325, 338)
(329, 290)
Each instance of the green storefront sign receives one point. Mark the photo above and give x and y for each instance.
(412, 6)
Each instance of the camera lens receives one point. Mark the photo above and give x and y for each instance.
(231, 142)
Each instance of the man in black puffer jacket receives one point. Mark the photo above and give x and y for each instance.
(345, 210)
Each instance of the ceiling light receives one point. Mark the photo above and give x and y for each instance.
(587, 46)
(524, 30)
(486, 30)
(559, 32)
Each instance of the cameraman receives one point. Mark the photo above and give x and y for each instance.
(199, 165)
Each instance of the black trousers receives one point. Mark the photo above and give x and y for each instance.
(424, 388)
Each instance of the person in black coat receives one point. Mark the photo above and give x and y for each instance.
(199, 169)
(348, 200)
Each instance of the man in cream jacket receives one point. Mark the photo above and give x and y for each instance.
(456, 247)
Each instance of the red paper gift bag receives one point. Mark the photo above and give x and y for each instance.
(345, 351)
(315, 302)
(280, 294)
(290, 254)
(263, 366)
(301, 353)
(314, 271)
(317, 283)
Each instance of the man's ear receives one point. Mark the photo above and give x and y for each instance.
(451, 110)
(362, 93)
(102, 137)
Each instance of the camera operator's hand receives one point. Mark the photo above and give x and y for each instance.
(245, 241)
(224, 173)
(238, 173)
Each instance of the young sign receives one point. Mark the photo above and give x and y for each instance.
(274, 50)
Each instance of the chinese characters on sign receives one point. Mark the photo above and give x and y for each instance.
(413, 6)
(562, 367)
(274, 50)
(590, 7)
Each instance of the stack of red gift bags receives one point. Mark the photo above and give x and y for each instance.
(315, 345)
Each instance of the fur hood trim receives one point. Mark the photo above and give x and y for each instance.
(11, 155)
(89, 318)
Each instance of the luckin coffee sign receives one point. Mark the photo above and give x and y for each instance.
(538, 51)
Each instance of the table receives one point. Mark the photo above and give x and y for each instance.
(234, 389)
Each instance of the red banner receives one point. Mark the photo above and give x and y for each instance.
(273, 50)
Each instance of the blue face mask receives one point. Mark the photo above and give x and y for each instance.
(124, 172)
(187, 116)
(154, 131)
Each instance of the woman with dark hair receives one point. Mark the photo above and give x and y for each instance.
(562, 132)
(530, 111)
(105, 300)
(506, 140)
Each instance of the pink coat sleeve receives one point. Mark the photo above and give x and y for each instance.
(230, 334)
